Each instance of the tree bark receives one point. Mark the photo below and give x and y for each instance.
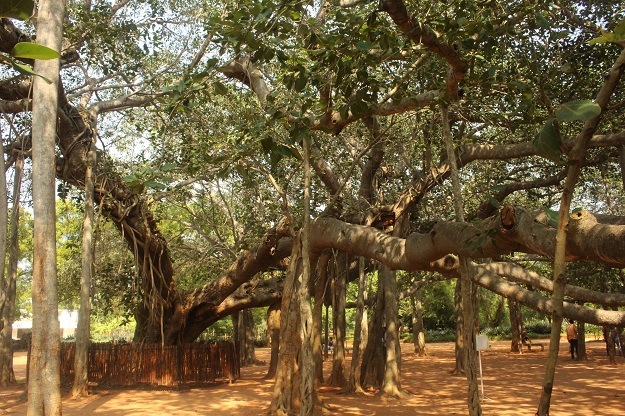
(374, 356)
(6, 347)
(81, 364)
(6, 301)
(337, 377)
(286, 393)
(575, 160)
(308, 391)
(326, 332)
(467, 292)
(516, 325)
(581, 341)
(246, 338)
(459, 344)
(320, 294)
(610, 347)
(236, 335)
(360, 336)
(499, 315)
(471, 371)
(391, 385)
(418, 330)
(273, 332)
(44, 389)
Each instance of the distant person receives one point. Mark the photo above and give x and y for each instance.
(331, 344)
(571, 336)
(617, 342)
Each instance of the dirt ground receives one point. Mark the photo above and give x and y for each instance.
(512, 384)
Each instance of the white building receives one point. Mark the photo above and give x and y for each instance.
(68, 321)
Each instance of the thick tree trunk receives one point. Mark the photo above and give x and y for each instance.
(337, 377)
(581, 341)
(576, 158)
(470, 317)
(236, 335)
(294, 386)
(516, 325)
(308, 390)
(374, 357)
(469, 295)
(418, 329)
(7, 309)
(391, 385)
(44, 387)
(610, 346)
(499, 313)
(360, 335)
(459, 345)
(84, 315)
(287, 393)
(6, 355)
(326, 332)
(246, 338)
(273, 333)
(320, 292)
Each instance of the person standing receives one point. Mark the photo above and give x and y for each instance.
(571, 336)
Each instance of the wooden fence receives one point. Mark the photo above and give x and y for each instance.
(153, 364)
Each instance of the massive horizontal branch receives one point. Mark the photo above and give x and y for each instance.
(542, 304)
(253, 294)
(513, 229)
(519, 274)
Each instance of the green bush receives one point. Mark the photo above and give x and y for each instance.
(538, 327)
(440, 335)
(497, 332)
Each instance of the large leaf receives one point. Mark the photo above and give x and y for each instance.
(17, 9)
(33, 51)
(619, 30)
(547, 142)
(27, 70)
(553, 217)
(541, 21)
(155, 185)
(581, 110)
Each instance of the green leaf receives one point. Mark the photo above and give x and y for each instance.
(495, 203)
(168, 167)
(33, 51)
(267, 144)
(552, 217)
(130, 178)
(27, 70)
(138, 189)
(364, 45)
(547, 142)
(288, 151)
(300, 82)
(619, 30)
(359, 108)
(220, 88)
(541, 21)
(17, 9)
(155, 185)
(581, 110)
(600, 39)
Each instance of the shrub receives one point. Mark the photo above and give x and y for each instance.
(538, 327)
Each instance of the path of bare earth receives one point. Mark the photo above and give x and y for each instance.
(512, 385)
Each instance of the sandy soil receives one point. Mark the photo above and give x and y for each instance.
(512, 385)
